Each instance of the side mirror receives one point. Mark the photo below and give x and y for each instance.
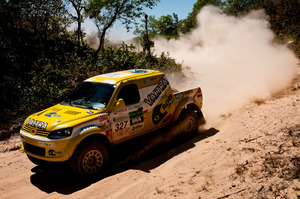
(120, 104)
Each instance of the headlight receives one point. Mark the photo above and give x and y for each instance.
(61, 133)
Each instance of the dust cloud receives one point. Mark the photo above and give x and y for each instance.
(233, 59)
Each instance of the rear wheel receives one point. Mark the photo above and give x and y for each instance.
(90, 159)
(189, 123)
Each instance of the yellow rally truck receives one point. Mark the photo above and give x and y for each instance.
(106, 110)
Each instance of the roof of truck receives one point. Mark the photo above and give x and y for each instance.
(115, 77)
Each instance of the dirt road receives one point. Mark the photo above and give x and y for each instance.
(250, 153)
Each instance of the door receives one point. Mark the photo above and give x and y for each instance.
(128, 121)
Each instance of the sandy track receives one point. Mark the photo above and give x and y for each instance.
(250, 153)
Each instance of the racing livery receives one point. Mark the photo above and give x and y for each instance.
(106, 110)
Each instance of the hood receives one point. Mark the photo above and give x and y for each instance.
(60, 116)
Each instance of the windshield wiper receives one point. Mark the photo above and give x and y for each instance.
(82, 105)
(78, 104)
(88, 106)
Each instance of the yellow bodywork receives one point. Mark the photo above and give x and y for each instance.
(157, 107)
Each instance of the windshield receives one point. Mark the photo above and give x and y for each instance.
(91, 95)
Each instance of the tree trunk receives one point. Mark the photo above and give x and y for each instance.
(102, 36)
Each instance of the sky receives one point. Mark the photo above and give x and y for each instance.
(180, 7)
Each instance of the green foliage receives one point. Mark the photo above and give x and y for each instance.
(106, 12)
(284, 17)
(191, 21)
(235, 7)
(45, 88)
(166, 26)
(125, 58)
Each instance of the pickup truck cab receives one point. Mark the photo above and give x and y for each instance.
(105, 110)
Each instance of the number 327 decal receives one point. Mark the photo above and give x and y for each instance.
(121, 125)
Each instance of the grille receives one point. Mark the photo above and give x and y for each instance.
(34, 149)
(40, 132)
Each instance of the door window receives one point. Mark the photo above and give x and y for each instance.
(130, 94)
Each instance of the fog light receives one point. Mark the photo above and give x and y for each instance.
(51, 152)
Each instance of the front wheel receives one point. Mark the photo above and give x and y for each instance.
(90, 159)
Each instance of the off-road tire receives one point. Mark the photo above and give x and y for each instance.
(89, 159)
(189, 123)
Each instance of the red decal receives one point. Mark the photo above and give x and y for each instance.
(101, 119)
(198, 91)
(107, 133)
(166, 118)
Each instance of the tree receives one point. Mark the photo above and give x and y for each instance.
(79, 6)
(235, 7)
(42, 17)
(191, 21)
(168, 26)
(147, 44)
(152, 26)
(284, 14)
(106, 12)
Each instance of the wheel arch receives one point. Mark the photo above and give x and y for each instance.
(193, 107)
(180, 111)
(94, 137)
(185, 105)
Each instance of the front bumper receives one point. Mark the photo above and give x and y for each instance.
(47, 149)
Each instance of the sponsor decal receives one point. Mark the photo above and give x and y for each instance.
(152, 79)
(115, 75)
(157, 115)
(109, 81)
(152, 97)
(52, 114)
(136, 117)
(116, 112)
(168, 102)
(103, 120)
(37, 124)
(179, 95)
(46, 144)
(137, 127)
(90, 112)
(108, 132)
(188, 92)
(140, 71)
(136, 120)
(120, 119)
(121, 132)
